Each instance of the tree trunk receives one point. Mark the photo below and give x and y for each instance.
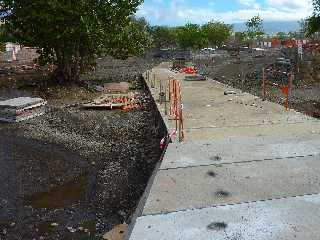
(68, 69)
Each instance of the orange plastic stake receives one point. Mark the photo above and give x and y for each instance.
(285, 90)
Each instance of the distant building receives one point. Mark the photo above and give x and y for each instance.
(13, 47)
(16, 52)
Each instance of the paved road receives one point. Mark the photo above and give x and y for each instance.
(247, 170)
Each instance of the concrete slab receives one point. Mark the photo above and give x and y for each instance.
(255, 130)
(188, 188)
(281, 219)
(21, 102)
(22, 108)
(239, 149)
(226, 114)
(240, 158)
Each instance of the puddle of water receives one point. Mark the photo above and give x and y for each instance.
(45, 228)
(60, 196)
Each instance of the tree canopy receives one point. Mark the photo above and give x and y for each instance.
(194, 36)
(191, 36)
(134, 39)
(255, 27)
(163, 37)
(313, 22)
(217, 32)
(240, 38)
(69, 33)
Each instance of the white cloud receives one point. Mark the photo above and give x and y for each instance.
(247, 2)
(273, 10)
(289, 4)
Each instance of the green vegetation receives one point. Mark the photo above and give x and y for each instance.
(163, 37)
(192, 36)
(134, 39)
(281, 36)
(240, 38)
(313, 22)
(217, 33)
(71, 33)
(254, 28)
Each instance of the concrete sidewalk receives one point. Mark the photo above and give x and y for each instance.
(247, 169)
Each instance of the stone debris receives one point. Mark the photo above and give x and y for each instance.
(117, 233)
(121, 87)
(196, 77)
(22, 108)
(230, 92)
(118, 101)
(71, 229)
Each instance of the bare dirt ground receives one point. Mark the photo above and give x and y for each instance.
(247, 74)
(74, 173)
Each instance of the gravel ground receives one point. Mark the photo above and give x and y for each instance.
(246, 75)
(75, 173)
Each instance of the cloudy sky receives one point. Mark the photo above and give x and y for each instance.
(175, 12)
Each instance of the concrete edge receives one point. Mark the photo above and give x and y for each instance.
(139, 209)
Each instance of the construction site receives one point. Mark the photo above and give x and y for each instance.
(211, 141)
(188, 148)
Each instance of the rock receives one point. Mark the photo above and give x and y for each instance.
(117, 233)
(71, 229)
(230, 92)
(122, 213)
(99, 88)
(122, 87)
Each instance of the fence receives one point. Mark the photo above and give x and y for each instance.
(277, 79)
(176, 106)
(170, 95)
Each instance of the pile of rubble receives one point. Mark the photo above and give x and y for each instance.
(118, 96)
(127, 101)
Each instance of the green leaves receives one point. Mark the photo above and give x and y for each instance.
(191, 36)
(68, 32)
(312, 24)
(316, 5)
(163, 37)
(195, 37)
(255, 27)
(217, 32)
(134, 39)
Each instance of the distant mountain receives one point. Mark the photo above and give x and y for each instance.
(272, 27)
